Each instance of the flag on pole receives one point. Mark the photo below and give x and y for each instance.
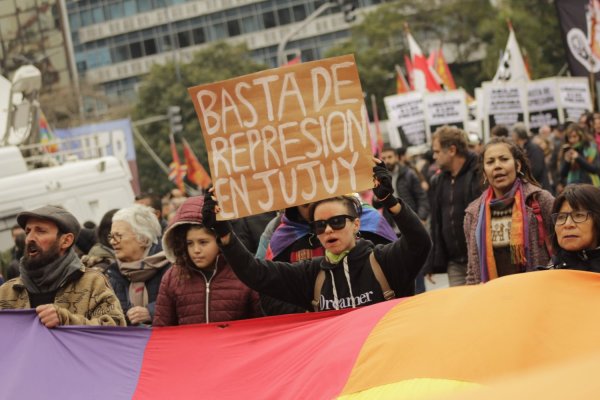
(47, 138)
(443, 71)
(379, 137)
(423, 76)
(177, 171)
(401, 83)
(409, 71)
(195, 171)
(512, 66)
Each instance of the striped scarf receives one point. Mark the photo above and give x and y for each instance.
(519, 231)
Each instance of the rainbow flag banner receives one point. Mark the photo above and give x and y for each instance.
(534, 335)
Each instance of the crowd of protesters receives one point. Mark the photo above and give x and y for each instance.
(472, 210)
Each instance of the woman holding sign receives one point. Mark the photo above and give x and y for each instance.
(507, 226)
(353, 271)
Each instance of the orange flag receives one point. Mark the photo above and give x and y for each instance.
(441, 68)
(177, 171)
(195, 171)
(401, 83)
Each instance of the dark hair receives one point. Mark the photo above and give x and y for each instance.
(449, 135)
(517, 153)
(351, 203)
(103, 229)
(573, 127)
(580, 196)
(387, 148)
(155, 200)
(401, 151)
(178, 243)
(499, 131)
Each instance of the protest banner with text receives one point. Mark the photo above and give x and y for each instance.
(406, 119)
(285, 136)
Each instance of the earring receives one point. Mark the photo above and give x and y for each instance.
(485, 180)
(520, 173)
(357, 234)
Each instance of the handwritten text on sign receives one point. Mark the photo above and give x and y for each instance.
(286, 136)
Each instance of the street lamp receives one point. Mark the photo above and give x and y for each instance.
(347, 7)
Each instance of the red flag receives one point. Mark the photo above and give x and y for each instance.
(379, 143)
(294, 61)
(195, 171)
(401, 84)
(177, 171)
(423, 76)
(441, 68)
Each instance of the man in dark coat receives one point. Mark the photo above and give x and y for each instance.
(452, 189)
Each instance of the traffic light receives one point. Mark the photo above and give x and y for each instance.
(174, 113)
(347, 7)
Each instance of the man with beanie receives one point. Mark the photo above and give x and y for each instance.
(53, 280)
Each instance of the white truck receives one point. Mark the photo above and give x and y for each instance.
(88, 186)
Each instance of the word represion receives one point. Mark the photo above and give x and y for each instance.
(286, 136)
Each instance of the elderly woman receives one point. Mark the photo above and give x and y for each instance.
(506, 227)
(576, 216)
(136, 275)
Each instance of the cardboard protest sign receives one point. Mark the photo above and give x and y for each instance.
(285, 136)
(505, 104)
(574, 97)
(446, 108)
(542, 104)
(406, 119)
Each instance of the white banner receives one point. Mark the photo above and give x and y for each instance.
(574, 97)
(446, 108)
(505, 104)
(542, 104)
(406, 120)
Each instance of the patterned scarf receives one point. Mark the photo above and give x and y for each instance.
(138, 272)
(519, 231)
(590, 153)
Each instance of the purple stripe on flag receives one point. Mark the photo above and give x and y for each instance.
(63, 363)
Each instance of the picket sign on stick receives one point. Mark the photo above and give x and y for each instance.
(285, 136)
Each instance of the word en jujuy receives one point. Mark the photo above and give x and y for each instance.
(286, 136)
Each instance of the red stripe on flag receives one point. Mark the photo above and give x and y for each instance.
(301, 356)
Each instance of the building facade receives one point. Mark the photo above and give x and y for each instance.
(116, 42)
(32, 32)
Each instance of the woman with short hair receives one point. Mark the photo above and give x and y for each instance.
(576, 216)
(141, 263)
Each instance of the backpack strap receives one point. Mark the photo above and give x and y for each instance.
(318, 286)
(544, 240)
(388, 293)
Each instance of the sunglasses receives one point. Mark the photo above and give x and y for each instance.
(336, 223)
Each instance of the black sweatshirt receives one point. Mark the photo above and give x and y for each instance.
(295, 283)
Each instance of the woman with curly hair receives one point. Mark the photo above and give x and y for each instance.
(506, 227)
(200, 287)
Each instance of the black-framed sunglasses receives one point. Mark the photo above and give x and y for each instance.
(577, 217)
(336, 223)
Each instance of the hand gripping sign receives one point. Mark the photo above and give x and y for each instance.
(285, 136)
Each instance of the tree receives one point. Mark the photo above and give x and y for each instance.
(474, 31)
(378, 42)
(161, 89)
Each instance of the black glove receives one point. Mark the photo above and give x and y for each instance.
(384, 191)
(209, 217)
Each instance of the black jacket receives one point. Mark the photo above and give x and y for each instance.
(585, 260)
(539, 170)
(295, 282)
(449, 197)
